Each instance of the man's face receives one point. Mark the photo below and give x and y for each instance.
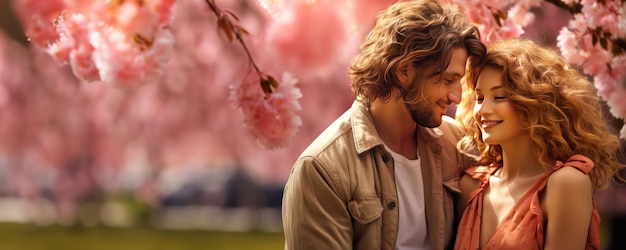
(439, 92)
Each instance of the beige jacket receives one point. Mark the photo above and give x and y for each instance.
(341, 192)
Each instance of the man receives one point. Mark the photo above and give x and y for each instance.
(385, 174)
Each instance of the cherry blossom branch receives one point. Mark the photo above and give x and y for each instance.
(618, 45)
(573, 8)
(270, 115)
(235, 31)
(594, 40)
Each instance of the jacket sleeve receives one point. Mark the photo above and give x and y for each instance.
(314, 209)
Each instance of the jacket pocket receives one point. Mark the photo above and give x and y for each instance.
(365, 209)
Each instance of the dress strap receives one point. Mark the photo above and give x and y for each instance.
(481, 173)
(578, 161)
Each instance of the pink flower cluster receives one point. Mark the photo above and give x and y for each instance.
(118, 41)
(271, 118)
(494, 24)
(588, 41)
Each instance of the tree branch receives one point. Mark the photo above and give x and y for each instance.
(9, 23)
(573, 9)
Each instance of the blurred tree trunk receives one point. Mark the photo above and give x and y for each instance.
(9, 23)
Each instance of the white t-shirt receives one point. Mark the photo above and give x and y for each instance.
(412, 227)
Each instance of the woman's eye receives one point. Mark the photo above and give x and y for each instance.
(500, 97)
(479, 99)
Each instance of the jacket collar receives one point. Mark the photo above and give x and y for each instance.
(365, 135)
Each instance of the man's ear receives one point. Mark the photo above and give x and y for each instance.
(404, 74)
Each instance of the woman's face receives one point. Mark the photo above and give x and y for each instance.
(499, 121)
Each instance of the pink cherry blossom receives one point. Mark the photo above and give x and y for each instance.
(103, 40)
(37, 18)
(74, 30)
(610, 84)
(120, 61)
(484, 13)
(578, 24)
(568, 44)
(521, 14)
(271, 119)
(597, 61)
(601, 14)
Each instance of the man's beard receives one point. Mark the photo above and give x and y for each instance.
(421, 112)
(423, 115)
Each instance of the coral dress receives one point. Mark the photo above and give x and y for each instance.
(523, 227)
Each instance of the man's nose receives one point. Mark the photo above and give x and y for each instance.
(455, 93)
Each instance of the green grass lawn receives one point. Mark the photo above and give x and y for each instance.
(31, 237)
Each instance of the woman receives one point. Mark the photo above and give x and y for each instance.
(538, 129)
